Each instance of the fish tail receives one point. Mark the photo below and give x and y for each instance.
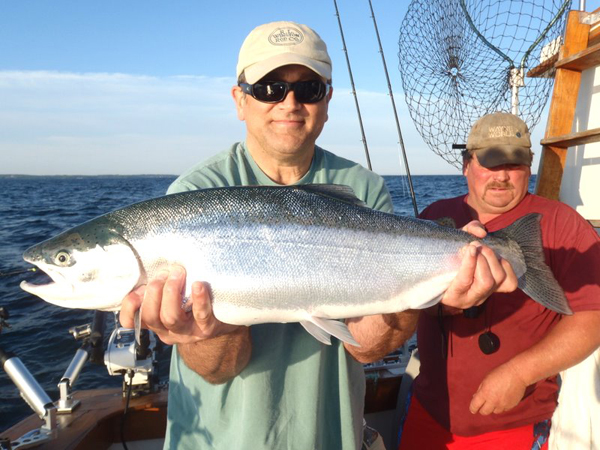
(538, 281)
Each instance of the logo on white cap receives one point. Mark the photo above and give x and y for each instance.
(286, 36)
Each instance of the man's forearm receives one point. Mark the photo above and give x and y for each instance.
(380, 334)
(572, 340)
(219, 359)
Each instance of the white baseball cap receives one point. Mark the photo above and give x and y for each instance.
(277, 44)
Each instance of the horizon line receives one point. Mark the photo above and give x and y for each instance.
(176, 175)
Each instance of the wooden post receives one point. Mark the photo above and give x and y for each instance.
(562, 109)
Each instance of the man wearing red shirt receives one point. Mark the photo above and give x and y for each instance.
(488, 377)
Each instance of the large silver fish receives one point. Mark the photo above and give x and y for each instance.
(308, 254)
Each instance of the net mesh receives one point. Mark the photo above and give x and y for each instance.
(456, 59)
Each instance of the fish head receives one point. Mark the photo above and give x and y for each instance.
(92, 266)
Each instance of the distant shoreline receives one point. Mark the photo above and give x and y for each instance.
(170, 176)
(87, 176)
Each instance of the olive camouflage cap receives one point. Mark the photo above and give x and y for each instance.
(500, 138)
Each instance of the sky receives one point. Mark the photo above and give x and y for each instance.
(143, 86)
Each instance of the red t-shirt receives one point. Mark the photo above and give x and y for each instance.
(445, 387)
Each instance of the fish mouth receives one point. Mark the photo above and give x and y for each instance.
(49, 291)
(69, 291)
(54, 291)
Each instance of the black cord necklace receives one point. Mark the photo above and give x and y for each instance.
(488, 342)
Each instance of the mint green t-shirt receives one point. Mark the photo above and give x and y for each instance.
(295, 393)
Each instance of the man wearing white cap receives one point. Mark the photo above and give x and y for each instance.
(488, 378)
(273, 386)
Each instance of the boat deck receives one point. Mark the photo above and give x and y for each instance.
(96, 425)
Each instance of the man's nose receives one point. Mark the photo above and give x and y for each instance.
(501, 174)
(290, 102)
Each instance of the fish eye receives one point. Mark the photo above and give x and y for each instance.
(62, 258)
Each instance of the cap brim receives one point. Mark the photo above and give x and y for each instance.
(257, 71)
(504, 154)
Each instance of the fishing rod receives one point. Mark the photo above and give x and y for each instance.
(400, 140)
(362, 130)
(17, 272)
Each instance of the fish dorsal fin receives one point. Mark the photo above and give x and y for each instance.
(447, 222)
(336, 191)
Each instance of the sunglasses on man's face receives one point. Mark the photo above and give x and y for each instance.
(311, 91)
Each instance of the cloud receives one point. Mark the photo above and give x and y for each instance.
(112, 123)
(342, 134)
(55, 123)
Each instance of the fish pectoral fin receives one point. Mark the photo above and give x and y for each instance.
(333, 328)
(434, 301)
(316, 332)
(137, 323)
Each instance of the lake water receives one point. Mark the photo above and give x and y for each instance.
(33, 209)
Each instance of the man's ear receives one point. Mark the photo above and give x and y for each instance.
(328, 99)
(465, 166)
(239, 99)
(466, 162)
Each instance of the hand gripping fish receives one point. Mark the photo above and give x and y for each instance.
(310, 254)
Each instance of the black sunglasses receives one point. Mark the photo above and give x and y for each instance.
(311, 91)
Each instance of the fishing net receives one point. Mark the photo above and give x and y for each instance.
(457, 59)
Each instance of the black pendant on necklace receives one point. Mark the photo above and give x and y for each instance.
(489, 343)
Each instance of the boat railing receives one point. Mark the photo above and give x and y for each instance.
(31, 392)
(123, 357)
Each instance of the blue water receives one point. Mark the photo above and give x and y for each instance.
(33, 209)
